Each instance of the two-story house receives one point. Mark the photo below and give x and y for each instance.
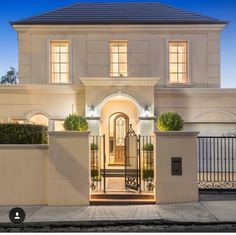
(120, 64)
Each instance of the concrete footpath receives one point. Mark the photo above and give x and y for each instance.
(208, 212)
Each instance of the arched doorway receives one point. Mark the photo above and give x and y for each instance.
(118, 127)
(116, 115)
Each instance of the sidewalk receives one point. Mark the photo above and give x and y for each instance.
(200, 212)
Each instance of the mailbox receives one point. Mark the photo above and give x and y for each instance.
(176, 166)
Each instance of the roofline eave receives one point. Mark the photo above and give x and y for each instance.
(122, 27)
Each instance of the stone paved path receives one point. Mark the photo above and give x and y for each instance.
(201, 212)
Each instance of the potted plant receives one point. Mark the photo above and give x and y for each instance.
(94, 147)
(170, 121)
(94, 154)
(148, 154)
(148, 176)
(75, 122)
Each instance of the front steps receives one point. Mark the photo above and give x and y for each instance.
(121, 198)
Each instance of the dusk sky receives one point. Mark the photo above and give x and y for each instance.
(11, 10)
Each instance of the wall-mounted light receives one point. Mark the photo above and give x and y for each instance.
(92, 110)
(146, 111)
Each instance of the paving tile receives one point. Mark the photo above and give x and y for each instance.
(142, 212)
(224, 211)
(4, 212)
(185, 212)
(62, 213)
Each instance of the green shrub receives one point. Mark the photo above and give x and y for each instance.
(75, 123)
(148, 147)
(170, 121)
(95, 175)
(148, 174)
(15, 133)
(94, 146)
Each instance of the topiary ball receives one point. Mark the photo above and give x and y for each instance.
(170, 121)
(75, 123)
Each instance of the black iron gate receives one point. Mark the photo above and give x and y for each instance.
(217, 162)
(132, 161)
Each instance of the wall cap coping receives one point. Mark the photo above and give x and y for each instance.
(177, 133)
(24, 146)
(69, 133)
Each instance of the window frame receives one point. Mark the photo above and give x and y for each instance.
(188, 60)
(110, 64)
(50, 61)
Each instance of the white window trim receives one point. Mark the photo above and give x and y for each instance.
(49, 61)
(189, 70)
(109, 49)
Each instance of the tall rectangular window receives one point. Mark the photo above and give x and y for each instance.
(118, 59)
(178, 62)
(60, 62)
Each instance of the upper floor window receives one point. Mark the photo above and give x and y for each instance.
(118, 59)
(60, 62)
(178, 62)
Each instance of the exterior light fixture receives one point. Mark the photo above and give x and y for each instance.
(146, 111)
(92, 110)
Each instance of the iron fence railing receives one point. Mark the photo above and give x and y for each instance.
(147, 163)
(217, 162)
(98, 160)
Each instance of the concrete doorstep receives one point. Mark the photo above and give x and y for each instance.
(207, 212)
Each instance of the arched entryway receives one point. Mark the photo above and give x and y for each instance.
(115, 116)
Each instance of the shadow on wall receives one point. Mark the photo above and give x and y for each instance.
(69, 166)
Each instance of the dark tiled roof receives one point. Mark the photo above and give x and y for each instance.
(119, 13)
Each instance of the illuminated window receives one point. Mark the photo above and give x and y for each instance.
(178, 62)
(118, 59)
(58, 125)
(60, 62)
(39, 119)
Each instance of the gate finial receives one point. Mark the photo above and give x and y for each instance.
(131, 131)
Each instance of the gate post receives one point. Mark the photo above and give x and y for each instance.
(176, 167)
(68, 168)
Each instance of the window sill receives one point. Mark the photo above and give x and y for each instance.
(179, 85)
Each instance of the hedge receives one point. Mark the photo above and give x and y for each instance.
(14, 133)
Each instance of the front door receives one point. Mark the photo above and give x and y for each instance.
(121, 123)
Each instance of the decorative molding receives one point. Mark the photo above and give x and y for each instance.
(177, 133)
(23, 146)
(195, 91)
(68, 133)
(41, 88)
(120, 28)
(148, 118)
(93, 118)
(119, 81)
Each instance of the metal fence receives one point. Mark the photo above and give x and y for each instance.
(217, 162)
(147, 163)
(97, 148)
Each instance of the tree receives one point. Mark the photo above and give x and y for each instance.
(11, 77)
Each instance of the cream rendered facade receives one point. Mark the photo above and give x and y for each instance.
(202, 103)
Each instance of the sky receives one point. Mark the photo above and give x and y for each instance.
(11, 10)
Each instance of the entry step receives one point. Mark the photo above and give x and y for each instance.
(121, 202)
(117, 172)
(122, 196)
